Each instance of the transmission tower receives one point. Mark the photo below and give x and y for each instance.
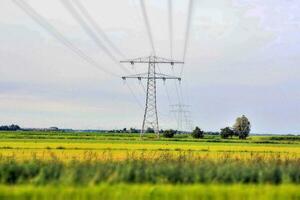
(150, 119)
(183, 116)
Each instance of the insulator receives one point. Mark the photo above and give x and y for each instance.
(139, 78)
(131, 62)
(124, 79)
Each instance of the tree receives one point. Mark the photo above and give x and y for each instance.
(169, 133)
(197, 133)
(133, 130)
(226, 132)
(149, 130)
(242, 127)
(12, 127)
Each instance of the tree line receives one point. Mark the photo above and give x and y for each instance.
(240, 129)
(12, 127)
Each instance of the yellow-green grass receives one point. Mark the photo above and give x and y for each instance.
(153, 192)
(61, 135)
(263, 154)
(68, 149)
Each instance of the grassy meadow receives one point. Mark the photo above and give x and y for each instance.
(64, 165)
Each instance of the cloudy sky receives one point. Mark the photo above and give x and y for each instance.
(242, 58)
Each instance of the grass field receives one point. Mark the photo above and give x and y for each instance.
(152, 192)
(70, 146)
(58, 165)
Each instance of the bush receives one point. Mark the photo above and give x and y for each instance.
(150, 130)
(169, 133)
(226, 132)
(197, 133)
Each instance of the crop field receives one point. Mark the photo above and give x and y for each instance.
(65, 165)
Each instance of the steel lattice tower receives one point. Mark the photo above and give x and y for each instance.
(150, 115)
(183, 116)
(150, 119)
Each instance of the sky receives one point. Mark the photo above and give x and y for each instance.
(242, 58)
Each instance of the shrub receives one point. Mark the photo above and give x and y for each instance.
(169, 133)
(197, 133)
(150, 130)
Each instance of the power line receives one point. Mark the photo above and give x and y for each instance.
(169, 99)
(82, 20)
(187, 32)
(149, 32)
(55, 33)
(170, 12)
(97, 28)
(90, 32)
(135, 97)
(170, 20)
(166, 89)
(142, 86)
(60, 37)
(176, 89)
(186, 40)
(148, 27)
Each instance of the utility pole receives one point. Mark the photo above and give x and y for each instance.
(150, 119)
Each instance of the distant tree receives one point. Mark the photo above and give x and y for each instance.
(149, 130)
(197, 133)
(242, 127)
(169, 133)
(211, 133)
(133, 130)
(226, 132)
(15, 127)
(12, 127)
(4, 128)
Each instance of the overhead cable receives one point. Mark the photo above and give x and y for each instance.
(59, 36)
(97, 27)
(90, 32)
(187, 32)
(147, 24)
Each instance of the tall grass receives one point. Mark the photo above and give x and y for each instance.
(165, 169)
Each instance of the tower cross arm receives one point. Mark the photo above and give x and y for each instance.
(145, 76)
(152, 59)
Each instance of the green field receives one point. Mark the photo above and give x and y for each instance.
(172, 192)
(65, 165)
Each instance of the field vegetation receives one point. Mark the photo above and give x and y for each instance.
(34, 164)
